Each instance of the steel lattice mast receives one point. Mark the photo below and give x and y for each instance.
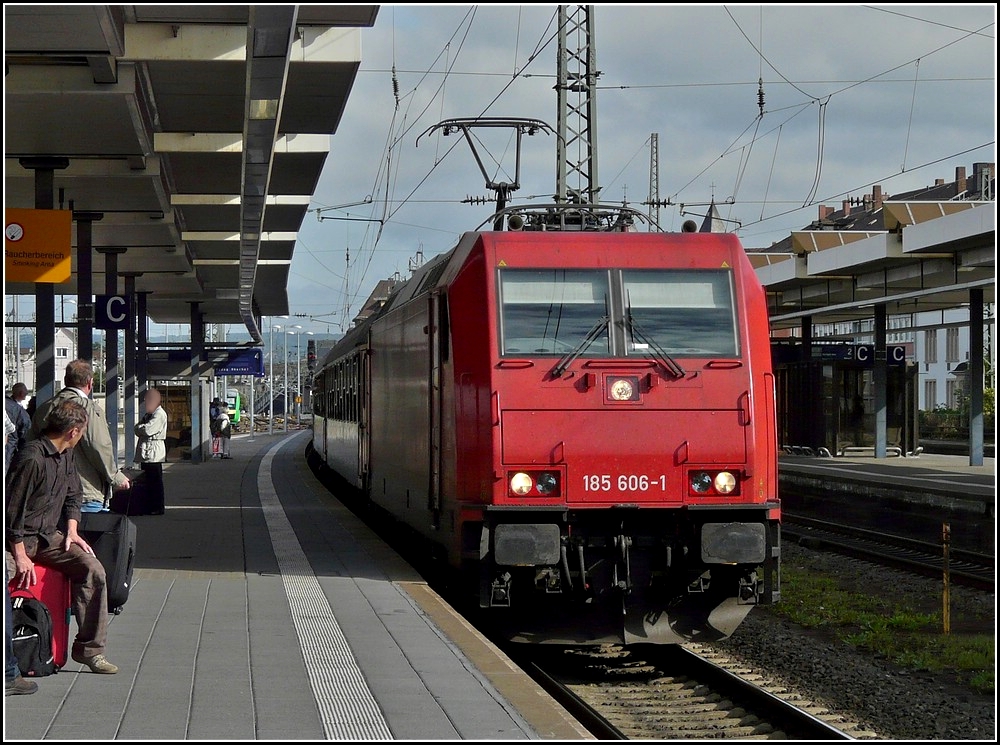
(654, 178)
(576, 86)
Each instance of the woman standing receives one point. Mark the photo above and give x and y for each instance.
(151, 451)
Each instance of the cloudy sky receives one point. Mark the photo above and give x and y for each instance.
(854, 95)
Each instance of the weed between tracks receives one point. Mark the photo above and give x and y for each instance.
(890, 626)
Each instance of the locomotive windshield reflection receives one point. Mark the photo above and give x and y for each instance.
(552, 311)
(681, 312)
(675, 312)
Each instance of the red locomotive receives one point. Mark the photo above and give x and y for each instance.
(583, 420)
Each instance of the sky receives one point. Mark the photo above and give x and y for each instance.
(853, 95)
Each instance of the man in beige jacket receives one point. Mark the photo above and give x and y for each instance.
(94, 456)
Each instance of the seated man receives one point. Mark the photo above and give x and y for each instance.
(43, 511)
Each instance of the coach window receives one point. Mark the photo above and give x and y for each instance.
(682, 312)
(553, 311)
(354, 389)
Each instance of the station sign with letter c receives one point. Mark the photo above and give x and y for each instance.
(111, 312)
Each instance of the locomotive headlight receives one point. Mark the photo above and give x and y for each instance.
(547, 483)
(520, 483)
(725, 482)
(621, 390)
(701, 482)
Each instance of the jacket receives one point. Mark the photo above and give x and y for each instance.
(22, 425)
(152, 434)
(94, 455)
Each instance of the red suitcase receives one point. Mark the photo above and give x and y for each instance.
(53, 589)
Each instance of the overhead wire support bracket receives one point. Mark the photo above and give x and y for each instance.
(366, 200)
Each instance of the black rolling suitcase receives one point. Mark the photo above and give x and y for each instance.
(113, 539)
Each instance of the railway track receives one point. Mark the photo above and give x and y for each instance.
(965, 568)
(677, 692)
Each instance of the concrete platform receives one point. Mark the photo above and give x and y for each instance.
(913, 495)
(262, 609)
(942, 478)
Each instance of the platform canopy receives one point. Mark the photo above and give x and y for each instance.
(912, 255)
(191, 136)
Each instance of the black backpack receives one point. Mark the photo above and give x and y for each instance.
(32, 636)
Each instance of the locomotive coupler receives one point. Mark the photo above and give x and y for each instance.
(549, 579)
(500, 595)
(751, 589)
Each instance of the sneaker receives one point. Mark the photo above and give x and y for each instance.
(20, 687)
(97, 664)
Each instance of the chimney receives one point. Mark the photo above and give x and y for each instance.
(939, 182)
(877, 196)
(960, 184)
(978, 168)
(847, 207)
(824, 212)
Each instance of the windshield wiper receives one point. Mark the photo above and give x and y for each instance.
(580, 348)
(668, 362)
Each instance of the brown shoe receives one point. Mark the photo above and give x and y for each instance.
(97, 664)
(20, 687)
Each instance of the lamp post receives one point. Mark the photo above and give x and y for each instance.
(284, 418)
(297, 333)
(288, 330)
(270, 377)
(270, 380)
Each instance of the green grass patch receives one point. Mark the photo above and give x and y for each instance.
(883, 627)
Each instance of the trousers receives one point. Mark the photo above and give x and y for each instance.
(156, 498)
(89, 589)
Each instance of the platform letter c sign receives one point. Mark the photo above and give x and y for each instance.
(111, 312)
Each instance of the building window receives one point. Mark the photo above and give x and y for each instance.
(952, 345)
(62, 353)
(930, 345)
(930, 395)
(954, 392)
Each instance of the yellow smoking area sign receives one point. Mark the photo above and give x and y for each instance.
(37, 245)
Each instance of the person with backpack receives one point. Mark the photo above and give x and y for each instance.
(14, 683)
(44, 495)
(224, 428)
(96, 460)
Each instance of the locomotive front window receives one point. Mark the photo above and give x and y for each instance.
(553, 311)
(680, 312)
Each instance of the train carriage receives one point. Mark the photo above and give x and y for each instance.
(582, 421)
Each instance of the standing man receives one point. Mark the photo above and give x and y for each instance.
(14, 406)
(44, 493)
(96, 461)
(151, 451)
